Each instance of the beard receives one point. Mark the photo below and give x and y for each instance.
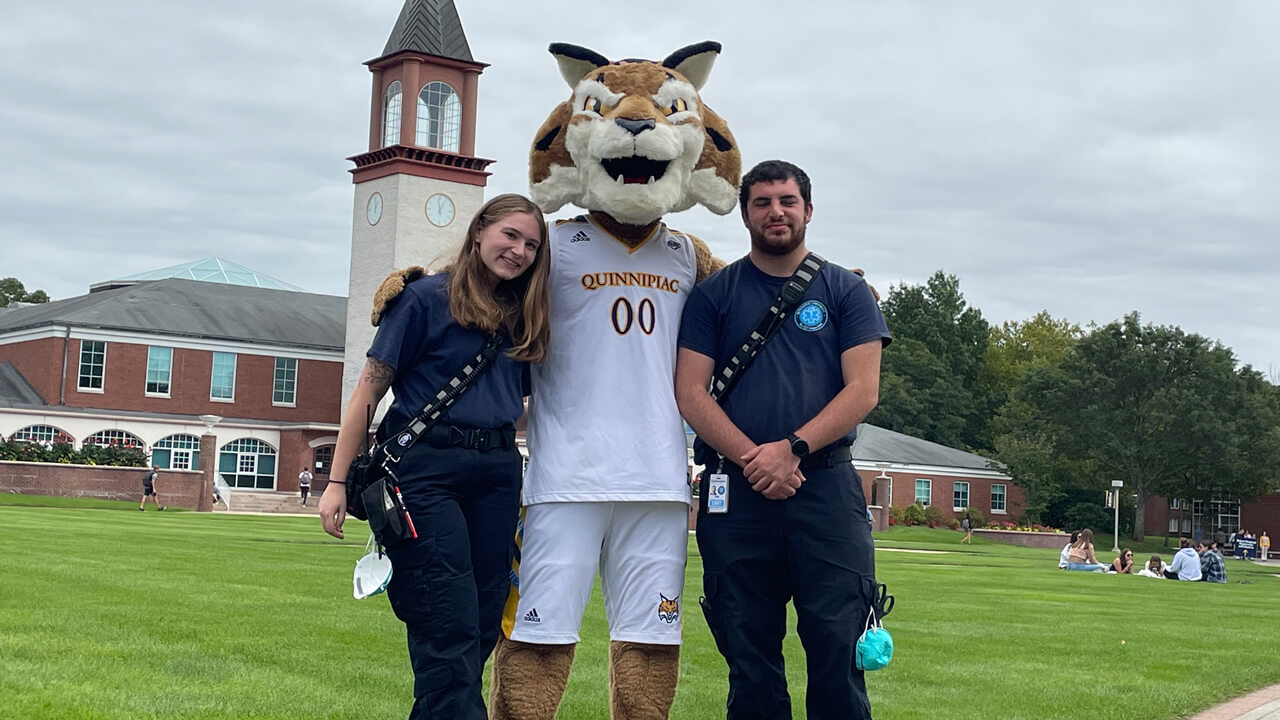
(759, 241)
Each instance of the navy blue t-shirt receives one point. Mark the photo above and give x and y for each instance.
(425, 346)
(798, 372)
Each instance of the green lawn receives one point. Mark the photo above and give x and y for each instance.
(128, 615)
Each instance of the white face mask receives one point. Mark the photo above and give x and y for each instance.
(373, 572)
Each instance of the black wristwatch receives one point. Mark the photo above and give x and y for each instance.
(799, 448)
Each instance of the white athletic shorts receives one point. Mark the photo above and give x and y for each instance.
(639, 548)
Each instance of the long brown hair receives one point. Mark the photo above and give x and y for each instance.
(521, 304)
(1085, 539)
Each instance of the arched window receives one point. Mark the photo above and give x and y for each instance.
(248, 463)
(391, 114)
(177, 452)
(439, 117)
(43, 434)
(107, 438)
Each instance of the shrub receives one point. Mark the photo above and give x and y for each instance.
(934, 515)
(897, 515)
(953, 523)
(914, 514)
(66, 454)
(976, 516)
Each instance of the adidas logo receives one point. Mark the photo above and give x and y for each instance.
(580, 236)
(532, 616)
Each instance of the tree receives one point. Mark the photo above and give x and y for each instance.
(1151, 406)
(1018, 347)
(12, 290)
(934, 383)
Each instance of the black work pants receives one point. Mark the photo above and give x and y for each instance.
(449, 584)
(813, 549)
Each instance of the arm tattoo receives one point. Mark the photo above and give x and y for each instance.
(378, 374)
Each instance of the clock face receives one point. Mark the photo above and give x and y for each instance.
(374, 210)
(440, 210)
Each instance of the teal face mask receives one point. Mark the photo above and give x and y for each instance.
(875, 648)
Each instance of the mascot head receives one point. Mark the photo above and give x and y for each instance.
(635, 140)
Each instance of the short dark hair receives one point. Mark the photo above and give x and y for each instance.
(773, 171)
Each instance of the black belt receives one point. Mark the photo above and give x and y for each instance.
(443, 436)
(828, 457)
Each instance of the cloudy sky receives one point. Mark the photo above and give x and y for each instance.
(1085, 158)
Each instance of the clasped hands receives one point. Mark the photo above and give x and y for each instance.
(773, 470)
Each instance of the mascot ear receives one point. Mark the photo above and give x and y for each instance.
(575, 62)
(693, 62)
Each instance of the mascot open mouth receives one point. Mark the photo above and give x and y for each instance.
(634, 170)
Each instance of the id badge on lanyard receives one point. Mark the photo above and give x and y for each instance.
(717, 493)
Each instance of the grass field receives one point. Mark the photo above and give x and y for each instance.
(116, 614)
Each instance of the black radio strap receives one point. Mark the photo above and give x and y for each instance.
(395, 447)
(789, 297)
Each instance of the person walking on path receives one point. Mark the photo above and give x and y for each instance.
(149, 488)
(304, 484)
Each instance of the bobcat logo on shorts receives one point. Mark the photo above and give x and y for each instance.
(668, 609)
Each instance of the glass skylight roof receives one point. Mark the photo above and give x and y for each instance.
(213, 270)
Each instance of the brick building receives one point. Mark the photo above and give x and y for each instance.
(138, 361)
(1174, 517)
(898, 470)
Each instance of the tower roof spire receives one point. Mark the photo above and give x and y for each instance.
(431, 27)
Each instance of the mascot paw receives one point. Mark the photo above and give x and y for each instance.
(391, 289)
(862, 274)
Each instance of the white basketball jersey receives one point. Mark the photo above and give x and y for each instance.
(603, 421)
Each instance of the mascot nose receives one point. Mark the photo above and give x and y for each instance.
(635, 127)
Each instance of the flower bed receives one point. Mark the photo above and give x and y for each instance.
(1026, 538)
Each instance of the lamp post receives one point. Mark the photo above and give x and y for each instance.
(1117, 484)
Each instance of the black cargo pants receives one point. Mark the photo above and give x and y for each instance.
(449, 585)
(813, 549)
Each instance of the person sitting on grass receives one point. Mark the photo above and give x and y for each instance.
(1123, 564)
(1153, 569)
(1186, 563)
(1212, 568)
(1081, 556)
(1066, 549)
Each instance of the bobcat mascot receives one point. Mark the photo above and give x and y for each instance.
(607, 482)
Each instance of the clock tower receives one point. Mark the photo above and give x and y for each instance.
(420, 182)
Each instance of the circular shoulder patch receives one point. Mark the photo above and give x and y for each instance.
(811, 316)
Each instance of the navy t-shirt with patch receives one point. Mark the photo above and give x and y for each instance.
(798, 372)
(425, 346)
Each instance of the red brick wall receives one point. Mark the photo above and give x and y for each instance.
(1262, 515)
(179, 488)
(319, 386)
(40, 362)
(904, 488)
(296, 453)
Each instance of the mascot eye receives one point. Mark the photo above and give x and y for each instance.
(678, 106)
(592, 104)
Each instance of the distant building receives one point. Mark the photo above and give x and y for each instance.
(933, 475)
(138, 360)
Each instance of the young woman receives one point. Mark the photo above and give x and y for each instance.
(1153, 569)
(1123, 564)
(1081, 556)
(967, 525)
(460, 480)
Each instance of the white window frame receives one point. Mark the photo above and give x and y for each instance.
(916, 498)
(446, 122)
(80, 373)
(246, 463)
(392, 113)
(168, 375)
(955, 485)
(1004, 498)
(293, 388)
(213, 366)
(179, 459)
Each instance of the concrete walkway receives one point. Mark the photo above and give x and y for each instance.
(1261, 705)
